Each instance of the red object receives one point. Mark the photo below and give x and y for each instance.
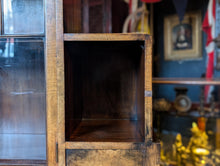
(201, 123)
(130, 6)
(208, 27)
(150, 1)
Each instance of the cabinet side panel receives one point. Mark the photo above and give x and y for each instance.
(152, 157)
(51, 82)
(148, 89)
(60, 84)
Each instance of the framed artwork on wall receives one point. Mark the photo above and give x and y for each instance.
(183, 41)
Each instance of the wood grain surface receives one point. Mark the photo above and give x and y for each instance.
(51, 80)
(148, 88)
(72, 16)
(104, 145)
(104, 157)
(145, 156)
(61, 160)
(107, 131)
(105, 37)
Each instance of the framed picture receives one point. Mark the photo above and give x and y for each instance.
(183, 41)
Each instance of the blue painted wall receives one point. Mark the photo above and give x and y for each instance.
(190, 68)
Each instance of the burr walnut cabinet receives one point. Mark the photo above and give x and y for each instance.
(72, 99)
(105, 96)
(105, 100)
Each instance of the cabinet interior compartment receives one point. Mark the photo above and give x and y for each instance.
(104, 91)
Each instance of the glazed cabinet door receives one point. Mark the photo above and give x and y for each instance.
(24, 77)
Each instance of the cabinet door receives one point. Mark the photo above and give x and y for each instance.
(26, 98)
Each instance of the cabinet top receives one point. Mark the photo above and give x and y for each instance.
(106, 37)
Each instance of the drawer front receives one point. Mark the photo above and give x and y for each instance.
(104, 158)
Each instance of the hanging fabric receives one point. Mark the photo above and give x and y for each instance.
(208, 27)
(180, 6)
(150, 1)
(133, 5)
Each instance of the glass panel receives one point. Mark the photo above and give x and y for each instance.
(22, 99)
(23, 17)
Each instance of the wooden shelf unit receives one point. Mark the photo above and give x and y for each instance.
(105, 78)
(103, 85)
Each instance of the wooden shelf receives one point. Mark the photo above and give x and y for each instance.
(104, 37)
(186, 81)
(107, 131)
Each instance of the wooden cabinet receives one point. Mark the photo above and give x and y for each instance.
(105, 95)
(69, 99)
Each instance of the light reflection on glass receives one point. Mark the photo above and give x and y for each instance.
(7, 48)
(23, 17)
(22, 99)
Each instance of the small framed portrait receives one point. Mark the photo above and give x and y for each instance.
(182, 40)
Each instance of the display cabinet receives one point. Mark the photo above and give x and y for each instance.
(105, 100)
(27, 83)
(72, 99)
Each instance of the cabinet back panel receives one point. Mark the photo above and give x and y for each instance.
(104, 81)
(72, 16)
(101, 79)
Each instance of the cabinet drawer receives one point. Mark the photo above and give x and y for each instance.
(104, 157)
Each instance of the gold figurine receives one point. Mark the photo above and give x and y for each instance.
(199, 138)
(198, 146)
(179, 150)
